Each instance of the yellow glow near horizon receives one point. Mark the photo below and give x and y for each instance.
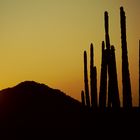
(44, 41)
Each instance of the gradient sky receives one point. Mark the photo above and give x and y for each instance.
(44, 41)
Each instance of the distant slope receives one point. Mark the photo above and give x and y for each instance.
(41, 110)
(33, 104)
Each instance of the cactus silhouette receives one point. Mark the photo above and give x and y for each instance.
(113, 94)
(139, 73)
(108, 75)
(114, 82)
(86, 80)
(103, 79)
(95, 87)
(107, 30)
(83, 98)
(127, 97)
(93, 79)
(107, 40)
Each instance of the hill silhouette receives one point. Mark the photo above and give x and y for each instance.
(31, 104)
(41, 110)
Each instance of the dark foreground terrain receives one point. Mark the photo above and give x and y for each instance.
(41, 110)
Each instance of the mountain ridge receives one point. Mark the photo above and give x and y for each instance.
(37, 107)
(29, 103)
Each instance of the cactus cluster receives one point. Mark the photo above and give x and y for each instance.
(90, 100)
(108, 91)
(113, 92)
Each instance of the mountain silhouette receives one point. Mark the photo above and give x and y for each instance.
(31, 104)
(41, 110)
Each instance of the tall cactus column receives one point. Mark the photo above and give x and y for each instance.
(103, 79)
(93, 79)
(86, 80)
(107, 31)
(113, 94)
(114, 81)
(139, 73)
(108, 57)
(91, 75)
(127, 97)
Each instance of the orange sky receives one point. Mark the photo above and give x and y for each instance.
(44, 40)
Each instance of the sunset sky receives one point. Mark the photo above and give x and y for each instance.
(44, 41)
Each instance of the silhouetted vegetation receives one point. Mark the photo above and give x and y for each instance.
(93, 79)
(139, 73)
(127, 97)
(114, 82)
(113, 95)
(103, 79)
(108, 65)
(91, 100)
(86, 80)
(109, 97)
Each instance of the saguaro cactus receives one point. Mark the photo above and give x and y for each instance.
(91, 75)
(95, 88)
(93, 79)
(114, 82)
(127, 97)
(107, 30)
(86, 80)
(139, 73)
(113, 95)
(103, 79)
(108, 57)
